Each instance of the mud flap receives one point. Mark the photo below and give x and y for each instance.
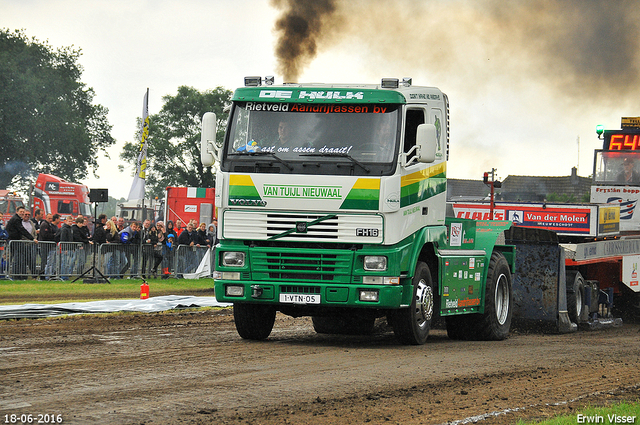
(565, 325)
(539, 285)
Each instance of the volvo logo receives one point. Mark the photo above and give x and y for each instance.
(248, 202)
(301, 227)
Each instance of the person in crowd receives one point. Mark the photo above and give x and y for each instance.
(130, 238)
(111, 232)
(212, 232)
(147, 247)
(15, 229)
(85, 227)
(122, 255)
(178, 229)
(112, 254)
(167, 255)
(3, 232)
(80, 236)
(99, 237)
(67, 251)
(170, 228)
(17, 232)
(186, 257)
(156, 238)
(29, 225)
(202, 237)
(48, 230)
(100, 233)
(37, 219)
(29, 251)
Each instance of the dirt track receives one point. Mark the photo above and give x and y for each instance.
(191, 367)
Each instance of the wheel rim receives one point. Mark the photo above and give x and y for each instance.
(502, 299)
(424, 303)
(579, 302)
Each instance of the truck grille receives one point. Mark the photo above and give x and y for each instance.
(263, 225)
(292, 265)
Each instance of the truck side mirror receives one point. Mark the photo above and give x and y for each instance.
(208, 139)
(427, 141)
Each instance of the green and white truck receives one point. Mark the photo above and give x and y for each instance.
(331, 204)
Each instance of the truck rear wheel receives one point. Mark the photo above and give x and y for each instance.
(575, 295)
(411, 325)
(494, 324)
(254, 321)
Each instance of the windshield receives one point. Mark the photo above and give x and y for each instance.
(617, 168)
(312, 138)
(85, 209)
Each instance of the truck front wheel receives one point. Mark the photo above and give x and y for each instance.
(254, 321)
(411, 325)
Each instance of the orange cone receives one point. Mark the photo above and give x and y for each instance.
(144, 291)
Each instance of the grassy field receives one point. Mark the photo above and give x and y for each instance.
(54, 292)
(621, 413)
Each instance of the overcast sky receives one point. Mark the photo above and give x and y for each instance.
(524, 83)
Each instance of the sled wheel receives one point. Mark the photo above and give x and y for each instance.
(575, 295)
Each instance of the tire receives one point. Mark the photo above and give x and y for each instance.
(494, 324)
(254, 321)
(411, 325)
(575, 295)
(344, 325)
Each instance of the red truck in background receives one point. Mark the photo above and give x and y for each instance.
(54, 195)
(186, 203)
(9, 202)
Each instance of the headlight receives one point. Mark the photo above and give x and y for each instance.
(367, 295)
(376, 263)
(233, 259)
(234, 291)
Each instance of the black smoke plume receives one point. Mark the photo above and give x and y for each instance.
(300, 28)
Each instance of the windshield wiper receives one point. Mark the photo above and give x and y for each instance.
(262, 153)
(340, 155)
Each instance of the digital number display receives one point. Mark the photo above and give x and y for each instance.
(622, 140)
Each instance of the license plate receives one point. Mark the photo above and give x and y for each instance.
(299, 299)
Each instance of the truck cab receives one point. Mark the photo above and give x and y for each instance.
(616, 174)
(331, 204)
(9, 203)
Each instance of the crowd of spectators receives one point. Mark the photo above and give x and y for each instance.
(140, 248)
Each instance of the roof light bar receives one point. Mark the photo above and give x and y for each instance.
(252, 81)
(257, 81)
(390, 83)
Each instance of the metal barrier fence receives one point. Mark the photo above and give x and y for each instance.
(68, 260)
(188, 259)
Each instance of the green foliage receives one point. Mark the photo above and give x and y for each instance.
(568, 198)
(173, 154)
(47, 121)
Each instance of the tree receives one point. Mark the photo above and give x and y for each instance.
(173, 152)
(48, 123)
